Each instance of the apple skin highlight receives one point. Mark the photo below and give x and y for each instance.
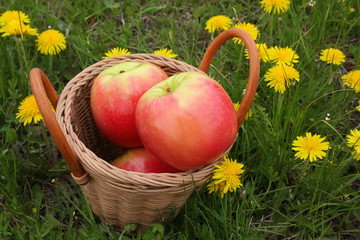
(187, 120)
(114, 96)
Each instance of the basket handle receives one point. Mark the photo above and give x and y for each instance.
(254, 71)
(43, 92)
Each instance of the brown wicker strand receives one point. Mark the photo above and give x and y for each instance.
(117, 196)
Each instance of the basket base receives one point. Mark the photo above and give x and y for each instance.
(122, 207)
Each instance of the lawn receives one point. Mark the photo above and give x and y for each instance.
(298, 145)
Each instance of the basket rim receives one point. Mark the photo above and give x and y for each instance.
(122, 57)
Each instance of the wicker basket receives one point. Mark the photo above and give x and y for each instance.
(117, 196)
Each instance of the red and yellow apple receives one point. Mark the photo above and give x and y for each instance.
(187, 120)
(114, 96)
(140, 160)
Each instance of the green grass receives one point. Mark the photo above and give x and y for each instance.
(281, 198)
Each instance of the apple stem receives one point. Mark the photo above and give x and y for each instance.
(168, 90)
(122, 71)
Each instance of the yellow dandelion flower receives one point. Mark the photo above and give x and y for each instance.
(281, 76)
(216, 188)
(165, 52)
(249, 113)
(29, 111)
(229, 172)
(283, 55)
(275, 6)
(249, 28)
(15, 27)
(216, 23)
(332, 56)
(13, 15)
(51, 42)
(310, 147)
(352, 79)
(236, 106)
(351, 9)
(263, 52)
(353, 141)
(115, 52)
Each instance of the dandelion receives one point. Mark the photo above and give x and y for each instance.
(115, 52)
(249, 113)
(13, 15)
(353, 141)
(352, 79)
(165, 52)
(51, 42)
(332, 56)
(262, 50)
(249, 28)
(310, 147)
(276, 6)
(358, 107)
(216, 188)
(281, 76)
(351, 9)
(29, 111)
(228, 172)
(283, 55)
(236, 106)
(15, 27)
(216, 23)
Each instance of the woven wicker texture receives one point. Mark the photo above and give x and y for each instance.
(117, 196)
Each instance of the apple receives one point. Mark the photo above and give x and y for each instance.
(114, 96)
(140, 160)
(187, 120)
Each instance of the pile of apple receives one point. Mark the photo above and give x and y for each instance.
(166, 124)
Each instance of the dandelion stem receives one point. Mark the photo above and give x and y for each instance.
(241, 55)
(25, 56)
(18, 43)
(51, 60)
(331, 74)
(278, 108)
(304, 168)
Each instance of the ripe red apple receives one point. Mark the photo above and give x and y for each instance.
(140, 160)
(114, 95)
(187, 120)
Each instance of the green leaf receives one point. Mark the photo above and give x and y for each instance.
(130, 227)
(11, 136)
(111, 4)
(52, 221)
(202, 231)
(37, 195)
(155, 232)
